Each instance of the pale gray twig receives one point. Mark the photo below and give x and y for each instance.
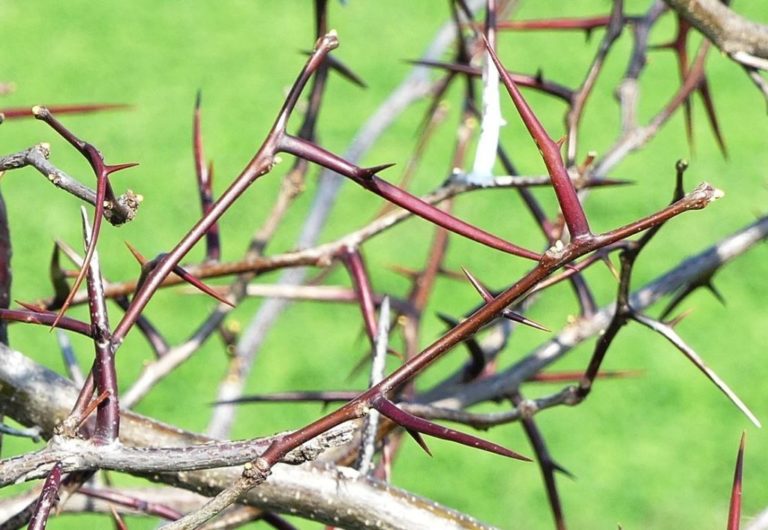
(371, 424)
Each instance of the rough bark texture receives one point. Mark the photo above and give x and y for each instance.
(728, 30)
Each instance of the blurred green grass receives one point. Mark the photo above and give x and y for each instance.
(653, 452)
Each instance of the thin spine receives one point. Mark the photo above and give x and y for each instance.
(671, 335)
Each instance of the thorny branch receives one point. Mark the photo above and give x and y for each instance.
(117, 212)
(368, 421)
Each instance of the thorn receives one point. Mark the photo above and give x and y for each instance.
(369, 172)
(196, 282)
(710, 286)
(477, 363)
(342, 69)
(594, 183)
(517, 317)
(557, 377)
(448, 273)
(33, 307)
(178, 270)
(557, 467)
(734, 511)
(58, 278)
(485, 293)
(507, 313)
(136, 254)
(403, 271)
(665, 46)
(119, 167)
(25, 112)
(709, 107)
(198, 98)
(674, 321)
(419, 440)
(611, 267)
(672, 336)
(446, 319)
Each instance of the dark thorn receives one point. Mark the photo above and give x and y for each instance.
(560, 469)
(477, 355)
(419, 440)
(517, 317)
(734, 511)
(710, 286)
(369, 172)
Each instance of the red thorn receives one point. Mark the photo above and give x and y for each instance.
(734, 512)
(25, 112)
(485, 293)
(33, 307)
(369, 172)
(136, 254)
(419, 440)
(119, 167)
(559, 377)
(192, 280)
(709, 107)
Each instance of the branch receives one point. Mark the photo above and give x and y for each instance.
(82, 455)
(37, 396)
(734, 34)
(117, 212)
(700, 265)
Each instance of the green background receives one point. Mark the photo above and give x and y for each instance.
(651, 452)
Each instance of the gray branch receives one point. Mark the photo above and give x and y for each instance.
(83, 455)
(734, 34)
(34, 395)
(118, 213)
